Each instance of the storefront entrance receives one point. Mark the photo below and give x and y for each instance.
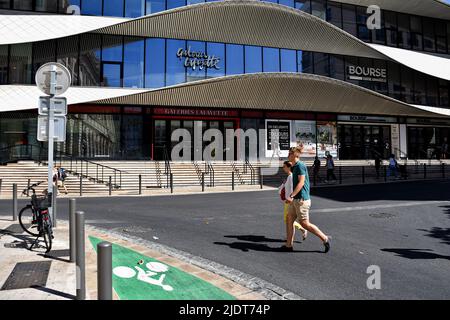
(427, 142)
(163, 129)
(364, 141)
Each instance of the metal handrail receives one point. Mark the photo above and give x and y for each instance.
(252, 171)
(167, 168)
(211, 173)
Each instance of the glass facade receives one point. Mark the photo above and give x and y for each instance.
(116, 61)
(397, 29)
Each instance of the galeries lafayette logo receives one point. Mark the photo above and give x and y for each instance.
(198, 59)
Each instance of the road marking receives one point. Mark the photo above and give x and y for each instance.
(380, 206)
(139, 277)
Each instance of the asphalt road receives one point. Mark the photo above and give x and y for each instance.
(404, 228)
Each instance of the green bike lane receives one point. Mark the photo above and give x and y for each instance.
(140, 277)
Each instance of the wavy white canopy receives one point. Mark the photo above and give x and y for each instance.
(271, 91)
(243, 22)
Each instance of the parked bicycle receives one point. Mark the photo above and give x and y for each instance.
(34, 218)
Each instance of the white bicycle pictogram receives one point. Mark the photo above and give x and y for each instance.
(146, 276)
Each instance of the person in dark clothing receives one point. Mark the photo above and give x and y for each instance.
(330, 169)
(316, 169)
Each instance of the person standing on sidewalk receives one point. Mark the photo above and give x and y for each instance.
(330, 169)
(285, 190)
(316, 169)
(393, 167)
(300, 206)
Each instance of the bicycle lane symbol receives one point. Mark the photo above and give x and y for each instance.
(146, 276)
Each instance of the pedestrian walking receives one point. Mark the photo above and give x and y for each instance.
(300, 206)
(330, 169)
(393, 167)
(316, 168)
(285, 190)
(62, 175)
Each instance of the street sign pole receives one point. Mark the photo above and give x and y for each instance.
(51, 130)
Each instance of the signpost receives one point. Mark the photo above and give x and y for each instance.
(52, 79)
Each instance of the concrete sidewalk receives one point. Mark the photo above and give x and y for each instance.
(52, 276)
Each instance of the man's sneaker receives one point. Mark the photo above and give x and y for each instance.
(304, 234)
(327, 245)
(286, 249)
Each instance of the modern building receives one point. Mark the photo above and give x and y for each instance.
(338, 76)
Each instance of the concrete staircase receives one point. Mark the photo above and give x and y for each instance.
(188, 174)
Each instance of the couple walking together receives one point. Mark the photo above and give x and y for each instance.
(295, 193)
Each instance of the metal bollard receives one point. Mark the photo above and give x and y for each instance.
(104, 271)
(232, 180)
(385, 174)
(203, 182)
(424, 170)
(110, 185)
(54, 196)
(72, 232)
(140, 184)
(14, 202)
(171, 183)
(80, 256)
(28, 187)
(261, 179)
(81, 185)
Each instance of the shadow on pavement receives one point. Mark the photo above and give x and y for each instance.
(247, 246)
(438, 233)
(55, 292)
(417, 254)
(412, 191)
(252, 238)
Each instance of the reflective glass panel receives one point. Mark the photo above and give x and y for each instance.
(288, 60)
(112, 48)
(175, 3)
(217, 51)
(46, 5)
(235, 59)
(111, 75)
(20, 64)
(92, 7)
(155, 6)
(195, 71)
(253, 59)
(176, 72)
(155, 63)
(134, 8)
(133, 63)
(113, 8)
(271, 60)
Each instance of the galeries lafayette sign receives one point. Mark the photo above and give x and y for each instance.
(198, 59)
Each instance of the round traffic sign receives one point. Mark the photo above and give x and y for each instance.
(43, 78)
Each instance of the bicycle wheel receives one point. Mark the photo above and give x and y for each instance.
(27, 220)
(47, 235)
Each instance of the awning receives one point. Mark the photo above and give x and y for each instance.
(270, 91)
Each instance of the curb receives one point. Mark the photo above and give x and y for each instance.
(257, 285)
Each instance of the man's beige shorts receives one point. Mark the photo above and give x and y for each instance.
(301, 209)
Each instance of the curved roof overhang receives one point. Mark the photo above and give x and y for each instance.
(275, 91)
(427, 8)
(242, 22)
(270, 91)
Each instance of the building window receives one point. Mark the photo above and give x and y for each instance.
(307, 62)
(4, 64)
(43, 52)
(92, 7)
(271, 60)
(235, 59)
(46, 5)
(288, 60)
(390, 22)
(20, 64)
(23, 5)
(155, 6)
(288, 3)
(349, 19)
(133, 63)
(443, 94)
(303, 5)
(112, 74)
(134, 8)
(407, 78)
(197, 73)
(188, 2)
(68, 55)
(416, 33)
(175, 70)
(113, 8)
(299, 61)
(319, 9)
(334, 14)
(404, 35)
(155, 63)
(337, 67)
(321, 64)
(175, 4)
(217, 50)
(253, 59)
(428, 35)
(441, 36)
(90, 59)
(420, 96)
(5, 4)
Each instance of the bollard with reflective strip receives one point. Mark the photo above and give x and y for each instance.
(80, 256)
